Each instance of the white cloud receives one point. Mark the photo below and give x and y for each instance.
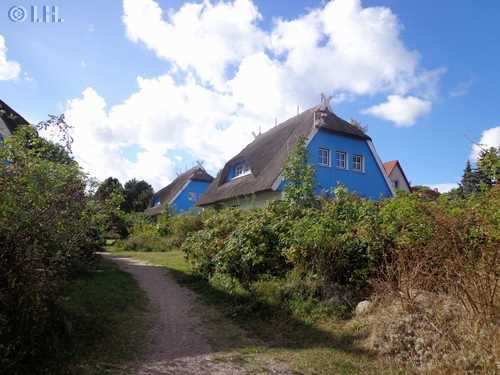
(160, 117)
(233, 76)
(27, 77)
(489, 138)
(8, 69)
(346, 47)
(462, 88)
(201, 36)
(403, 111)
(444, 187)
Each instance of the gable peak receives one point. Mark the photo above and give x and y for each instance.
(325, 102)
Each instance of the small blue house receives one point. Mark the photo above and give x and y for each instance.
(182, 193)
(340, 152)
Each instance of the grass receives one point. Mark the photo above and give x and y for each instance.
(252, 326)
(109, 321)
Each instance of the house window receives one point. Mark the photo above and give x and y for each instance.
(241, 170)
(324, 157)
(396, 184)
(357, 163)
(156, 201)
(193, 197)
(341, 161)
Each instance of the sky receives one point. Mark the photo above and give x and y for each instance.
(150, 87)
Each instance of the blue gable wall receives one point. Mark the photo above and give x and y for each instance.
(188, 197)
(368, 184)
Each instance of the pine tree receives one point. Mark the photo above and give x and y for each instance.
(470, 180)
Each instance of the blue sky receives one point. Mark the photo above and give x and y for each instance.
(422, 75)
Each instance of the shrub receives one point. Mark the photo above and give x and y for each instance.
(182, 225)
(446, 253)
(252, 250)
(47, 232)
(144, 236)
(335, 243)
(202, 246)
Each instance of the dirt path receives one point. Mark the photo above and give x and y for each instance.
(179, 343)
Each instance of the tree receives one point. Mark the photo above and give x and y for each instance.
(137, 195)
(46, 233)
(110, 196)
(27, 138)
(489, 164)
(470, 181)
(299, 176)
(108, 187)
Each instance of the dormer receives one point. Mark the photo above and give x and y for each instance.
(237, 170)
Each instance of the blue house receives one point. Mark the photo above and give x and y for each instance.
(182, 193)
(340, 152)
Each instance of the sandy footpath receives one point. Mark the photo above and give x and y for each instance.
(179, 344)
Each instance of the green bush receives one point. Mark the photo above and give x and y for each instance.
(182, 225)
(48, 231)
(335, 243)
(252, 250)
(202, 246)
(144, 236)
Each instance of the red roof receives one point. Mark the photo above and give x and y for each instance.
(389, 166)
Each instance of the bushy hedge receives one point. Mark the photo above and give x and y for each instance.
(349, 242)
(47, 232)
(167, 234)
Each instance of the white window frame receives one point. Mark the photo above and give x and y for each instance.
(337, 159)
(328, 157)
(241, 170)
(361, 163)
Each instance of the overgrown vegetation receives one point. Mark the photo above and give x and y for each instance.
(51, 225)
(431, 262)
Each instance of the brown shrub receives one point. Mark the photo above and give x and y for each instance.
(442, 281)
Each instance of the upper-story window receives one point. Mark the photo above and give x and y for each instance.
(156, 201)
(358, 163)
(341, 159)
(241, 169)
(324, 157)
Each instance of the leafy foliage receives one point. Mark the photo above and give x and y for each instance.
(489, 164)
(299, 177)
(109, 187)
(110, 198)
(48, 231)
(144, 236)
(475, 180)
(137, 195)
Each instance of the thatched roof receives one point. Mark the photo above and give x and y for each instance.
(267, 154)
(11, 118)
(167, 193)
